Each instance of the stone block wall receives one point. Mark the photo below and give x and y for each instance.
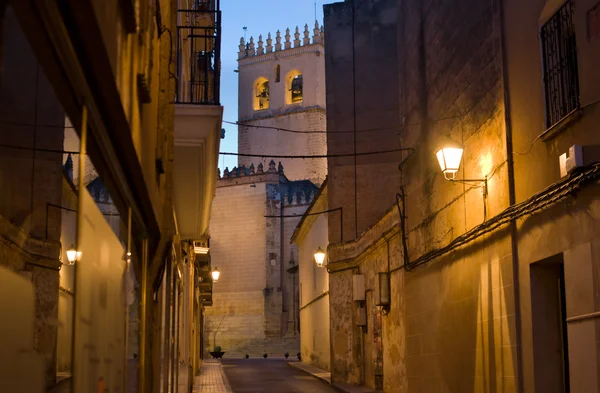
(256, 140)
(362, 94)
(237, 233)
(452, 88)
(255, 302)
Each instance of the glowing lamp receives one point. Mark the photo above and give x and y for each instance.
(215, 275)
(449, 158)
(73, 255)
(319, 257)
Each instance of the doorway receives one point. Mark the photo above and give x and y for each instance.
(548, 314)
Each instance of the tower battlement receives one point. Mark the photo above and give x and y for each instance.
(250, 49)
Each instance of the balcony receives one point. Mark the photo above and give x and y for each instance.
(199, 53)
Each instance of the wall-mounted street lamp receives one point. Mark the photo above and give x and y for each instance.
(449, 157)
(320, 257)
(73, 255)
(215, 274)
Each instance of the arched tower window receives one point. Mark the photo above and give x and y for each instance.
(295, 91)
(261, 94)
(277, 73)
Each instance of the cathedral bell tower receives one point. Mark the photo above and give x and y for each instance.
(282, 102)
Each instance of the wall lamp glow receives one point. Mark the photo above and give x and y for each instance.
(449, 157)
(320, 257)
(73, 255)
(215, 274)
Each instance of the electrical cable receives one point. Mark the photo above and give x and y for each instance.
(557, 191)
(317, 156)
(38, 149)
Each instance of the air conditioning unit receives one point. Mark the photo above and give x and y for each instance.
(201, 246)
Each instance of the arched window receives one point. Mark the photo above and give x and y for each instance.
(277, 73)
(296, 89)
(261, 94)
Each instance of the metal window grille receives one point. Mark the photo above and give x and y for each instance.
(199, 53)
(561, 80)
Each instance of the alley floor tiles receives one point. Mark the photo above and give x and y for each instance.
(211, 379)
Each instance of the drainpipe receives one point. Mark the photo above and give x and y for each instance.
(512, 201)
(281, 265)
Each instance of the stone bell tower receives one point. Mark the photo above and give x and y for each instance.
(282, 86)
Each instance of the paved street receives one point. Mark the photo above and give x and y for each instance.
(270, 375)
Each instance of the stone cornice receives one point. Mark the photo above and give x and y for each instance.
(317, 48)
(251, 179)
(351, 254)
(36, 251)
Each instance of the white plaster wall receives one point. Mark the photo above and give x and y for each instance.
(314, 281)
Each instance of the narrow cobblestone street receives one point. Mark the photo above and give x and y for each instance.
(269, 375)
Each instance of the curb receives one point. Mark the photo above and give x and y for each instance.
(317, 377)
(339, 388)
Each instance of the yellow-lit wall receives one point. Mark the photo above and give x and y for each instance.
(569, 228)
(314, 288)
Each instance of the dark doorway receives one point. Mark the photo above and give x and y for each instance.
(548, 314)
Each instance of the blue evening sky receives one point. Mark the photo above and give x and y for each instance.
(261, 17)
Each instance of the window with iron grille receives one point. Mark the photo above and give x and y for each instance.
(559, 50)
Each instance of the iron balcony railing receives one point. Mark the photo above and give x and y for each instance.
(199, 54)
(561, 81)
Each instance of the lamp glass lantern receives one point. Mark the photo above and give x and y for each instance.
(73, 255)
(215, 274)
(449, 157)
(320, 257)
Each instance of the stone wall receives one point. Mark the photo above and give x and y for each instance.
(237, 232)
(256, 140)
(32, 118)
(362, 94)
(254, 302)
(565, 234)
(305, 57)
(314, 286)
(450, 325)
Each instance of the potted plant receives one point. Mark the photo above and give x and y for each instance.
(247, 356)
(217, 353)
(265, 355)
(299, 356)
(286, 355)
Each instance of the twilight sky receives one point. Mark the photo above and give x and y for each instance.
(261, 17)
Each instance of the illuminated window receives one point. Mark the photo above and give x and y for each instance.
(296, 89)
(261, 94)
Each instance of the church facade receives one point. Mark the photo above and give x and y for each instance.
(259, 203)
